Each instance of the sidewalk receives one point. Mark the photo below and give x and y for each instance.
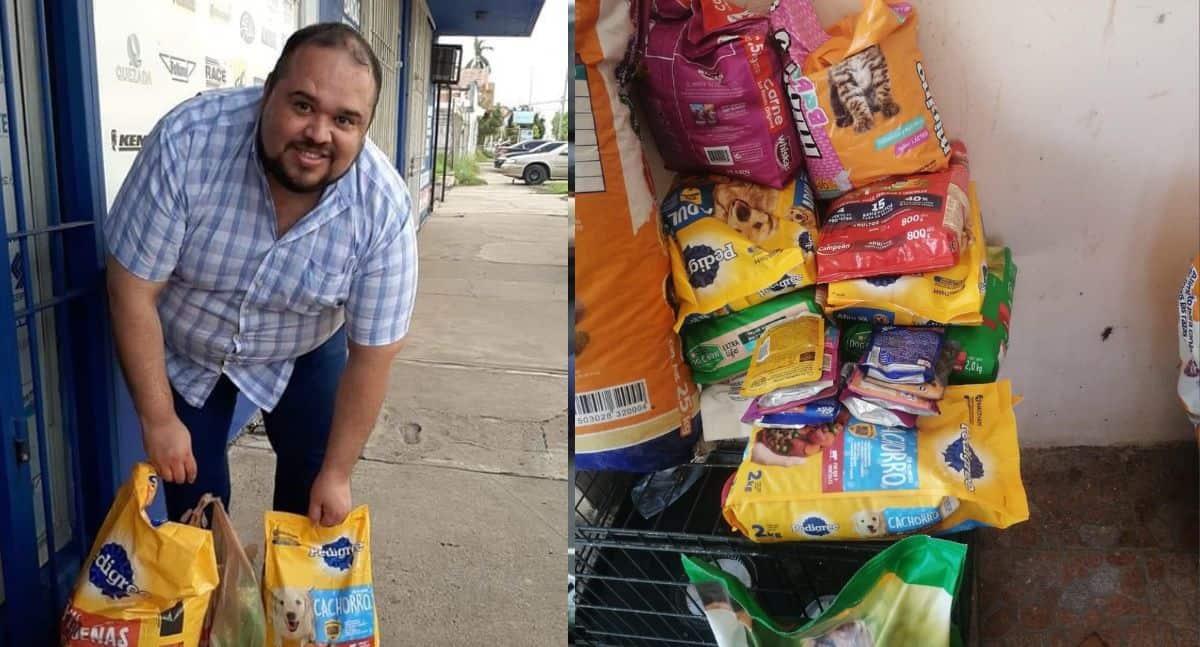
(466, 471)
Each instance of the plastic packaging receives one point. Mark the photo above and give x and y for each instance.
(902, 596)
(720, 348)
(955, 471)
(788, 354)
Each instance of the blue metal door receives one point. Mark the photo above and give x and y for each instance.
(41, 530)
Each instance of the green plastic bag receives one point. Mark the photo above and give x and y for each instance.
(982, 348)
(902, 596)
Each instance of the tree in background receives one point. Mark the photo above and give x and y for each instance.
(539, 126)
(490, 124)
(560, 126)
(480, 61)
(511, 130)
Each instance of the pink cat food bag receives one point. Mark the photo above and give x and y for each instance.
(713, 95)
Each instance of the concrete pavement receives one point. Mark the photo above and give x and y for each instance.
(466, 471)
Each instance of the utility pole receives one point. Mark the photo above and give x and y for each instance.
(566, 88)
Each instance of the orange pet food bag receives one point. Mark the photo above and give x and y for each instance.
(859, 95)
(636, 406)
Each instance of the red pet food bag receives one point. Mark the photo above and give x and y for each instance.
(899, 226)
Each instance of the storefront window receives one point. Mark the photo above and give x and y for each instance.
(153, 54)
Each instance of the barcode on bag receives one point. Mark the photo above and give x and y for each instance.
(719, 155)
(613, 403)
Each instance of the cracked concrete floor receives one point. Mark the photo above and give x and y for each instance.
(469, 521)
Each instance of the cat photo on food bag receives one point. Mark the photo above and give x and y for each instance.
(859, 88)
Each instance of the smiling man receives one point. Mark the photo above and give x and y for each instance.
(260, 244)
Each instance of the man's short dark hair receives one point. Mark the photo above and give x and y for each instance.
(334, 35)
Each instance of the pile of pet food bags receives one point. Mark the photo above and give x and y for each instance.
(829, 276)
(838, 300)
(821, 255)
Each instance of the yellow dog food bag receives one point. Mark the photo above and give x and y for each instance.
(734, 242)
(859, 94)
(951, 296)
(955, 471)
(317, 586)
(142, 585)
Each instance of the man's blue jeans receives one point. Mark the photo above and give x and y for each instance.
(298, 429)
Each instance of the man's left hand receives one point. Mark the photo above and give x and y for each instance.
(329, 501)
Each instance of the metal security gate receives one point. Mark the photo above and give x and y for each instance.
(418, 121)
(41, 529)
(381, 26)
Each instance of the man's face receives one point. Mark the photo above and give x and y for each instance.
(315, 118)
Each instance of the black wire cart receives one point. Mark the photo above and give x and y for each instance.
(629, 583)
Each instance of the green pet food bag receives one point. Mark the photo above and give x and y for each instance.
(902, 596)
(721, 347)
(982, 347)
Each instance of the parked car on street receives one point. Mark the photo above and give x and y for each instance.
(548, 162)
(517, 149)
(500, 147)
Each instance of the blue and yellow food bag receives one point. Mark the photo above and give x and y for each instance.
(142, 585)
(317, 587)
(957, 470)
(902, 596)
(734, 243)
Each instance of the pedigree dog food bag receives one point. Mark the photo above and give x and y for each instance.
(957, 470)
(142, 585)
(732, 240)
(317, 586)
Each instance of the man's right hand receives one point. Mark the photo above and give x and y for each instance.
(169, 448)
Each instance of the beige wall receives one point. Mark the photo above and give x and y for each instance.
(1081, 121)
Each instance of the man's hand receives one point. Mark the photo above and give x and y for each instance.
(359, 398)
(329, 501)
(169, 448)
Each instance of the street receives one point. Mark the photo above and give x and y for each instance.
(465, 473)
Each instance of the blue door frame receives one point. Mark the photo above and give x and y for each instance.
(35, 594)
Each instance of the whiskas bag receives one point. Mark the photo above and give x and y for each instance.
(142, 585)
(859, 95)
(317, 586)
(957, 470)
(954, 295)
(636, 407)
(714, 98)
(902, 596)
(732, 239)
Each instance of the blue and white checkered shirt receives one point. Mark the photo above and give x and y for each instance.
(195, 211)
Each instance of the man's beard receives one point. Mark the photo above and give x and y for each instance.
(275, 168)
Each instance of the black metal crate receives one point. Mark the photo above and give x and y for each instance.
(630, 587)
